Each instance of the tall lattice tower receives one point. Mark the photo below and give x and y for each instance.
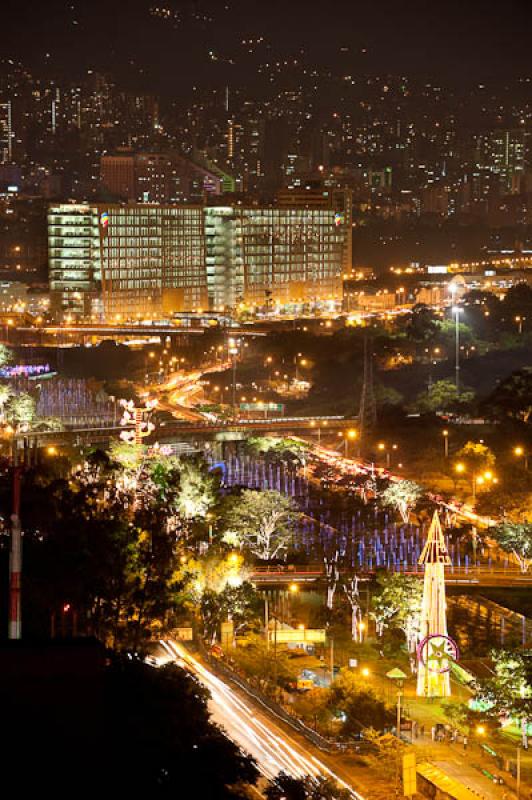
(367, 414)
(435, 649)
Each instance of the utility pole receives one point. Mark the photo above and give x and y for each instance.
(399, 693)
(518, 773)
(233, 352)
(457, 311)
(367, 416)
(331, 657)
(15, 555)
(275, 654)
(267, 620)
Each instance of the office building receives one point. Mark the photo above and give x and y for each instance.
(6, 133)
(133, 261)
(74, 259)
(160, 178)
(141, 260)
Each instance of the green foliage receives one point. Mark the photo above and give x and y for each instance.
(88, 543)
(512, 398)
(262, 522)
(147, 731)
(286, 788)
(240, 604)
(280, 447)
(397, 604)
(387, 396)
(312, 707)
(442, 396)
(515, 538)
(5, 355)
(261, 664)
(447, 332)
(127, 455)
(20, 409)
(476, 457)
(388, 749)
(196, 491)
(422, 324)
(361, 706)
(403, 496)
(467, 719)
(214, 571)
(509, 692)
(5, 394)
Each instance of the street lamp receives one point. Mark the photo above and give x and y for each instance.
(445, 435)
(457, 311)
(233, 352)
(398, 677)
(520, 452)
(350, 436)
(382, 447)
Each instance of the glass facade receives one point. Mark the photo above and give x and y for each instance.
(74, 258)
(152, 260)
(275, 255)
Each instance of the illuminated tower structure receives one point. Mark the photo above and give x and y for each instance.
(436, 650)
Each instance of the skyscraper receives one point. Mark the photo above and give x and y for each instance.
(6, 133)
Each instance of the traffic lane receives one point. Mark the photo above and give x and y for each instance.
(254, 731)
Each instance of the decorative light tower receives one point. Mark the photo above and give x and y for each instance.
(436, 650)
(138, 417)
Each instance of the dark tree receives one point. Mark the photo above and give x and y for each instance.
(124, 730)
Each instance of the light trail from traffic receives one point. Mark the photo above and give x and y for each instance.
(252, 729)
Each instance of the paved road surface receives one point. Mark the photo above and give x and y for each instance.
(253, 730)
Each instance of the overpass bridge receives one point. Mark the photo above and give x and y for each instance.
(468, 577)
(166, 432)
(80, 334)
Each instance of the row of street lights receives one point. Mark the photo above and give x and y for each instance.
(519, 451)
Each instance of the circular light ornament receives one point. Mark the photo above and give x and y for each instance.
(438, 652)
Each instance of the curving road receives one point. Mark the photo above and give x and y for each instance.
(253, 729)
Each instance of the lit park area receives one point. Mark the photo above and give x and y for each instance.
(332, 646)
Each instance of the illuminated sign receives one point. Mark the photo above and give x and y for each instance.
(297, 636)
(104, 219)
(279, 407)
(24, 370)
(339, 219)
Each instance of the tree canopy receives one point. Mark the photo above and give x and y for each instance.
(443, 396)
(512, 398)
(403, 496)
(262, 522)
(515, 538)
(397, 604)
(131, 728)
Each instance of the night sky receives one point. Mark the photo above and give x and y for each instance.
(201, 42)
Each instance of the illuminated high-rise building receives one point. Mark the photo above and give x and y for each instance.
(6, 133)
(502, 153)
(74, 259)
(143, 260)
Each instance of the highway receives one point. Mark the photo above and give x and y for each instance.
(253, 729)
